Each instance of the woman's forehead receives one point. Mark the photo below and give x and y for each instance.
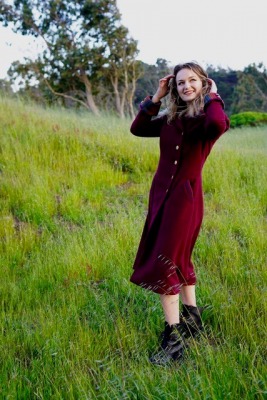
(185, 73)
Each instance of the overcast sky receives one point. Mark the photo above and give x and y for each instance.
(228, 33)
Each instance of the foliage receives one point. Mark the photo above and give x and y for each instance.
(89, 60)
(226, 81)
(248, 118)
(5, 87)
(250, 93)
(84, 43)
(73, 198)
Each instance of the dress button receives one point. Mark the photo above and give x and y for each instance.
(175, 162)
(172, 176)
(182, 133)
(167, 190)
(177, 147)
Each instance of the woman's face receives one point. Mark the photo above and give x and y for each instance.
(189, 85)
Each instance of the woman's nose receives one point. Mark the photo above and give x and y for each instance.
(187, 84)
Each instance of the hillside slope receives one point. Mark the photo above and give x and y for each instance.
(73, 198)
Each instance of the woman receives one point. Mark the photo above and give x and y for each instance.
(192, 123)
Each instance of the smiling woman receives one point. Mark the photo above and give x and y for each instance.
(195, 119)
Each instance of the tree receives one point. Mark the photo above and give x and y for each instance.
(78, 48)
(250, 91)
(122, 69)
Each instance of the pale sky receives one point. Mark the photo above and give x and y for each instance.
(228, 33)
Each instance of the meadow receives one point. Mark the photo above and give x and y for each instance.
(73, 199)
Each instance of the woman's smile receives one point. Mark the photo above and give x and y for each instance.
(188, 92)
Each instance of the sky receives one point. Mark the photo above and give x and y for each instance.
(229, 33)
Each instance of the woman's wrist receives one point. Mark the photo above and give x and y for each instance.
(149, 107)
(155, 98)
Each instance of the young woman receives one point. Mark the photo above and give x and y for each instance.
(192, 123)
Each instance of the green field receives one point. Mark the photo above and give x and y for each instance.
(73, 199)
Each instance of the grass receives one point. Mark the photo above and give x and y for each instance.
(73, 198)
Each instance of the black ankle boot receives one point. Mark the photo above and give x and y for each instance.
(172, 346)
(164, 336)
(191, 317)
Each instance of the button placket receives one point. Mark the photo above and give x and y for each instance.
(177, 147)
(175, 162)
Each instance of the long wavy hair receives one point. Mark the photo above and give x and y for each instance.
(176, 106)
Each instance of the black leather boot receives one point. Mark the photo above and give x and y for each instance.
(191, 317)
(164, 336)
(172, 346)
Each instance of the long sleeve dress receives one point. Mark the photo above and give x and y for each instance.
(163, 262)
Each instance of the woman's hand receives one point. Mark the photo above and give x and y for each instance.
(163, 88)
(212, 85)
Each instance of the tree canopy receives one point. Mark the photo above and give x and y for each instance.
(84, 43)
(89, 59)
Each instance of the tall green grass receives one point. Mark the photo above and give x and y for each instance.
(73, 199)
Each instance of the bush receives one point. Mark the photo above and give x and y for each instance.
(248, 118)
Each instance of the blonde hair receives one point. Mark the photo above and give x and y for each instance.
(176, 106)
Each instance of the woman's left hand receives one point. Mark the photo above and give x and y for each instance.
(213, 86)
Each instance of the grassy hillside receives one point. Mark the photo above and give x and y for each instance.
(73, 198)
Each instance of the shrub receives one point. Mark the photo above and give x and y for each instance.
(248, 118)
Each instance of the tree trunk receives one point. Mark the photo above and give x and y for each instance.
(123, 100)
(119, 101)
(88, 91)
(134, 76)
(130, 103)
(131, 94)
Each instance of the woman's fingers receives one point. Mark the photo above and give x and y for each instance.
(166, 79)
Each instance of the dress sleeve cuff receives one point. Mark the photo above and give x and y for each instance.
(149, 107)
(212, 97)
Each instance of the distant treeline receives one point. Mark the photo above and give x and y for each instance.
(241, 90)
(89, 60)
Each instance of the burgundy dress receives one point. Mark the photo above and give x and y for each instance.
(163, 262)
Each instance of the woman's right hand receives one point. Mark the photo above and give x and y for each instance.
(163, 88)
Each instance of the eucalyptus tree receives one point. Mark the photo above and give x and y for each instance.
(79, 47)
(122, 69)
